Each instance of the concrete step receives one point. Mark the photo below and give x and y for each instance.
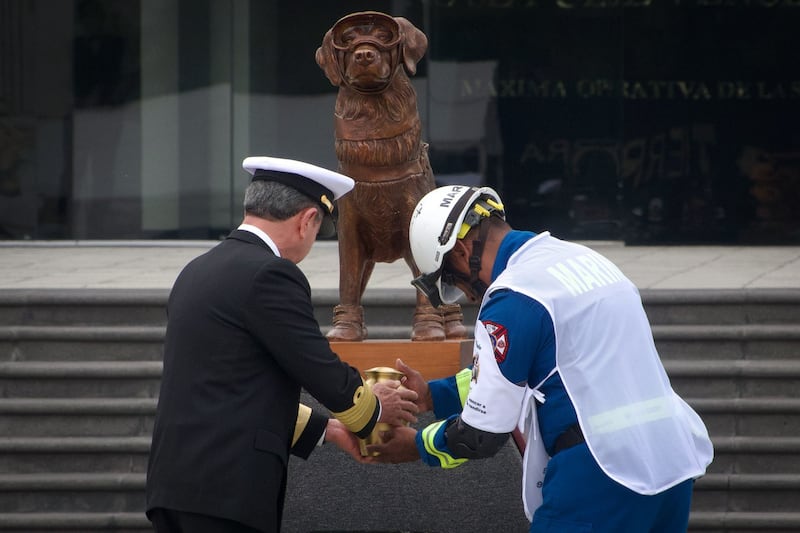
(733, 454)
(82, 417)
(728, 342)
(49, 522)
(139, 406)
(734, 379)
(55, 522)
(383, 306)
(668, 307)
(778, 416)
(131, 343)
(761, 454)
(61, 307)
(744, 522)
(78, 406)
(748, 499)
(72, 379)
(722, 307)
(120, 379)
(776, 493)
(727, 522)
(81, 343)
(79, 375)
(749, 417)
(31, 455)
(77, 481)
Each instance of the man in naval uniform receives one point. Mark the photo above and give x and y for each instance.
(563, 351)
(241, 342)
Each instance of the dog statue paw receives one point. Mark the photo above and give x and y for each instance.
(428, 324)
(453, 319)
(348, 324)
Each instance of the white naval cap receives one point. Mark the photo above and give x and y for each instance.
(320, 184)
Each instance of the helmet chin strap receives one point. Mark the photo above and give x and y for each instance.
(478, 286)
(475, 261)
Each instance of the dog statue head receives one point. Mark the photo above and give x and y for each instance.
(365, 50)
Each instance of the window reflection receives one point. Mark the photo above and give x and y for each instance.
(651, 122)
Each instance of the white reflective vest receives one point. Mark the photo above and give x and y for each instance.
(640, 432)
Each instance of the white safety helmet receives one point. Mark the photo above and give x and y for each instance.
(441, 217)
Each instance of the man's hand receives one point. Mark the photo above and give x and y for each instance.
(399, 446)
(397, 403)
(337, 433)
(413, 380)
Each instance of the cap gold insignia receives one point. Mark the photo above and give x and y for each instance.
(328, 204)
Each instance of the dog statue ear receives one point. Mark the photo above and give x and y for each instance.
(326, 59)
(413, 44)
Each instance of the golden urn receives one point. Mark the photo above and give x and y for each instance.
(375, 375)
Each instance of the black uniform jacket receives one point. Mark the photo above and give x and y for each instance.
(241, 341)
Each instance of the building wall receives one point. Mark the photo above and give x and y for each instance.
(649, 121)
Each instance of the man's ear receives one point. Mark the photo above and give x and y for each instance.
(308, 220)
(459, 255)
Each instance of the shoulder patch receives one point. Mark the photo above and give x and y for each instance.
(499, 336)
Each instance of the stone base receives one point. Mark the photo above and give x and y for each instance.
(433, 360)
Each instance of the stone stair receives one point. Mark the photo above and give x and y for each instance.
(735, 357)
(79, 377)
(79, 374)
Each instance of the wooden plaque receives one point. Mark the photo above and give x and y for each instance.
(433, 359)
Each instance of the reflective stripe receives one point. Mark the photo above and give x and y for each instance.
(445, 460)
(463, 378)
(633, 414)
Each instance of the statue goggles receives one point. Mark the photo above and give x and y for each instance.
(369, 27)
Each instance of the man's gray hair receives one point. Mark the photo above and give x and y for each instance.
(275, 201)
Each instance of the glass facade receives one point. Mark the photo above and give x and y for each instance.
(648, 121)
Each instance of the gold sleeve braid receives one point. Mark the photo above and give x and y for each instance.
(303, 415)
(362, 411)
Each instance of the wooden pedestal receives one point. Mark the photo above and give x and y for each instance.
(432, 359)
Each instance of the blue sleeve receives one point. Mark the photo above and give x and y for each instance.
(522, 334)
(449, 394)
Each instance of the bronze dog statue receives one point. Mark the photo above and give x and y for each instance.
(378, 144)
